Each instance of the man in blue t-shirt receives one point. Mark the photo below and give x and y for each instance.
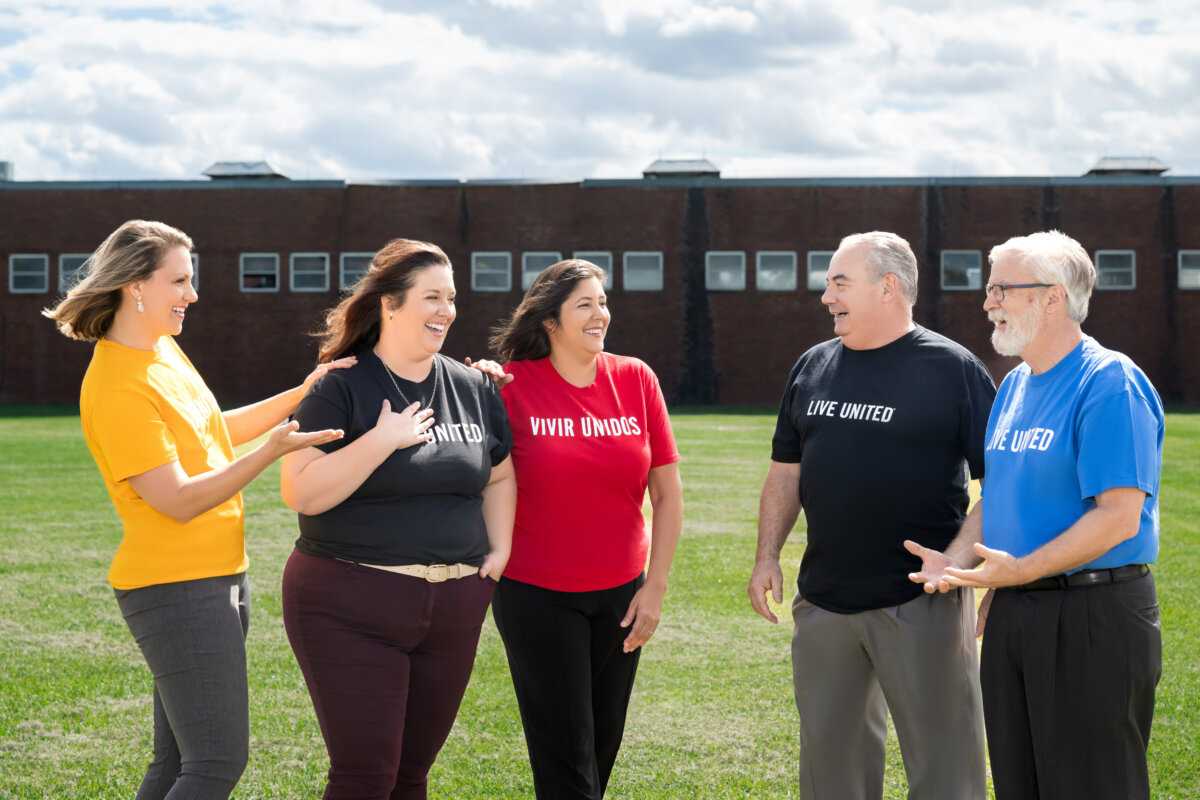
(1073, 650)
(877, 432)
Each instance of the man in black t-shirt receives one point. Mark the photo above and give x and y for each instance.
(877, 433)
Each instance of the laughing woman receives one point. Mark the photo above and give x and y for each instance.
(590, 435)
(165, 450)
(405, 527)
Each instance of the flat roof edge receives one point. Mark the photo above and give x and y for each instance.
(223, 183)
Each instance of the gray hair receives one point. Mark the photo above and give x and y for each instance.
(887, 254)
(1057, 259)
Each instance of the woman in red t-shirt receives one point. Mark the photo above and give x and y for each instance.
(590, 435)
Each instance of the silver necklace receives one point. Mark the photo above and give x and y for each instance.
(433, 394)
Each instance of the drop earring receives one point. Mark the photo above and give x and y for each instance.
(391, 314)
(141, 308)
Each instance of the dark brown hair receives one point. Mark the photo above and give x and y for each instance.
(353, 324)
(524, 335)
(130, 253)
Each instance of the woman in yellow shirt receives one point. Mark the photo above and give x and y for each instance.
(165, 450)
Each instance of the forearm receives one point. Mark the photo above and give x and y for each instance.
(778, 510)
(1094, 534)
(249, 422)
(961, 550)
(666, 523)
(183, 497)
(499, 510)
(312, 484)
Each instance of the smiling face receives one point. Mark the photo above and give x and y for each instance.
(166, 294)
(1020, 318)
(582, 322)
(417, 328)
(857, 305)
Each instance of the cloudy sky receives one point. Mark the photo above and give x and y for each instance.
(385, 89)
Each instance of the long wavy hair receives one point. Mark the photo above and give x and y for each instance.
(524, 334)
(130, 253)
(353, 324)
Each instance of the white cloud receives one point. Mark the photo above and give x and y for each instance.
(595, 88)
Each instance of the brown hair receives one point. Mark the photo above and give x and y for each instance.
(524, 336)
(353, 324)
(130, 253)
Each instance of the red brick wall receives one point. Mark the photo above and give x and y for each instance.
(727, 347)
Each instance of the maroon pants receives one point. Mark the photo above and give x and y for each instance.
(386, 658)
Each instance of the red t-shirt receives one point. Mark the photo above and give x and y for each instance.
(582, 458)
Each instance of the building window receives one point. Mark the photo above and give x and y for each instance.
(724, 271)
(1116, 269)
(28, 273)
(260, 272)
(532, 265)
(643, 272)
(353, 267)
(69, 266)
(962, 269)
(1189, 269)
(818, 268)
(775, 271)
(310, 272)
(491, 272)
(601, 259)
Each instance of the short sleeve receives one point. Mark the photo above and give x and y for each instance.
(787, 446)
(502, 439)
(658, 420)
(326, 406)
(980, 393)
(130, 432)
(1118, 445)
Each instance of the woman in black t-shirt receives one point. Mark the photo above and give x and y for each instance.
(405, 527)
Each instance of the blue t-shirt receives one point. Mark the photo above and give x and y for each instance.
(1090, 423)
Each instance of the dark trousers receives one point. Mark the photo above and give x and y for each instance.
(1068, 690)
(193, 637)
(386, 658)
(571, 679)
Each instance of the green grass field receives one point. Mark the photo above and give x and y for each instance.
(712, 714)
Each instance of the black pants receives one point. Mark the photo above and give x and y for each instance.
(1068, 690)
(571, 679)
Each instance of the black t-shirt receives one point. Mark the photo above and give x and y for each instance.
(423, 504)
(884, 439)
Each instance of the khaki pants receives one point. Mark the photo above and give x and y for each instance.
(918, 660)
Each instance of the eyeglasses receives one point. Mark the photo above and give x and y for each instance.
(996, 290)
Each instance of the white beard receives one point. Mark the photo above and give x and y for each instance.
(1020, 331)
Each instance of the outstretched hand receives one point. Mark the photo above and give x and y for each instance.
(286, 438)
(997, 570)
(492, 369)
(933, 568)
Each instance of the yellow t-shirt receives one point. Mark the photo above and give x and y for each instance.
(141, 410)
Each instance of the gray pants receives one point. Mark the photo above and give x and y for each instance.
(916, 659)
(193, 637)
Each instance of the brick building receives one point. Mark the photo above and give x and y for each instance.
(712, 279)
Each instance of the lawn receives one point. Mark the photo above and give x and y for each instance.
(711, 717)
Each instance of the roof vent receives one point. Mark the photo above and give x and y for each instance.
(225, 170)
(682, 168)
(1128, 165)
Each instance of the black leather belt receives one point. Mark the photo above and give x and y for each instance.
(1087, 577)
